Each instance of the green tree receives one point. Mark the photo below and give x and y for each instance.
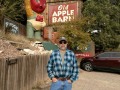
(13, 9)
(73, 31)
(106, 14)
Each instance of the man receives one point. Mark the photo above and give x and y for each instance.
(62, 67)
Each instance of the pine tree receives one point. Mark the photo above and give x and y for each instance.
(13, 9)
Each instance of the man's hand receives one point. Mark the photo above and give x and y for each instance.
(69, 81)
(54, 80)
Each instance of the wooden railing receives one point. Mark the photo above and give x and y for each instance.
(24, 73)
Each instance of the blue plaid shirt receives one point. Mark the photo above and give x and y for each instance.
(69, 68)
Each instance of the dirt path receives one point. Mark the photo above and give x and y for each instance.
(97, 81)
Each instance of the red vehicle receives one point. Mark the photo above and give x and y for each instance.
(105, 61)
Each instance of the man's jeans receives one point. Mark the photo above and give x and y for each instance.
(61, 85)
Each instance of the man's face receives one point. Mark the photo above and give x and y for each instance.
(63, 45)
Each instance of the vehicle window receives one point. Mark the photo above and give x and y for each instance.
(115, 54)
(104, 55)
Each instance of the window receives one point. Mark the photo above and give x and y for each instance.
(104, 55)
(115, 54)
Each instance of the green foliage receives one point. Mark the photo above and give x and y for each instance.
(13, 9)
(74, 32)
(106, 14)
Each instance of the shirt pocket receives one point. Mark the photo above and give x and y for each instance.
(69, 65)
(57, 62)
(57, 65)
(69, 62)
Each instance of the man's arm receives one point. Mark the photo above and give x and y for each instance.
(50, 67)
(75, 70)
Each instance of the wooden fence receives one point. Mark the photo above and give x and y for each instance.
(24, 73)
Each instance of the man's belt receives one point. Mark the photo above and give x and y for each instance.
(62, 79)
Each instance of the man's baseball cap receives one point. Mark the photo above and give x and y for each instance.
(62, 39)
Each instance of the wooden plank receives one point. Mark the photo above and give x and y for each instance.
(24, 74)
(2, 74)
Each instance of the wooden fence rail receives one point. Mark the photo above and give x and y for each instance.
(23, 73)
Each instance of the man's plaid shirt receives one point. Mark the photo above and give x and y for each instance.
(69, 68)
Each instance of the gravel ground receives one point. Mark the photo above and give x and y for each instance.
(97, 81)
(8, 50)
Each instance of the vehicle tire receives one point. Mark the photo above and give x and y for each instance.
(87, 66)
